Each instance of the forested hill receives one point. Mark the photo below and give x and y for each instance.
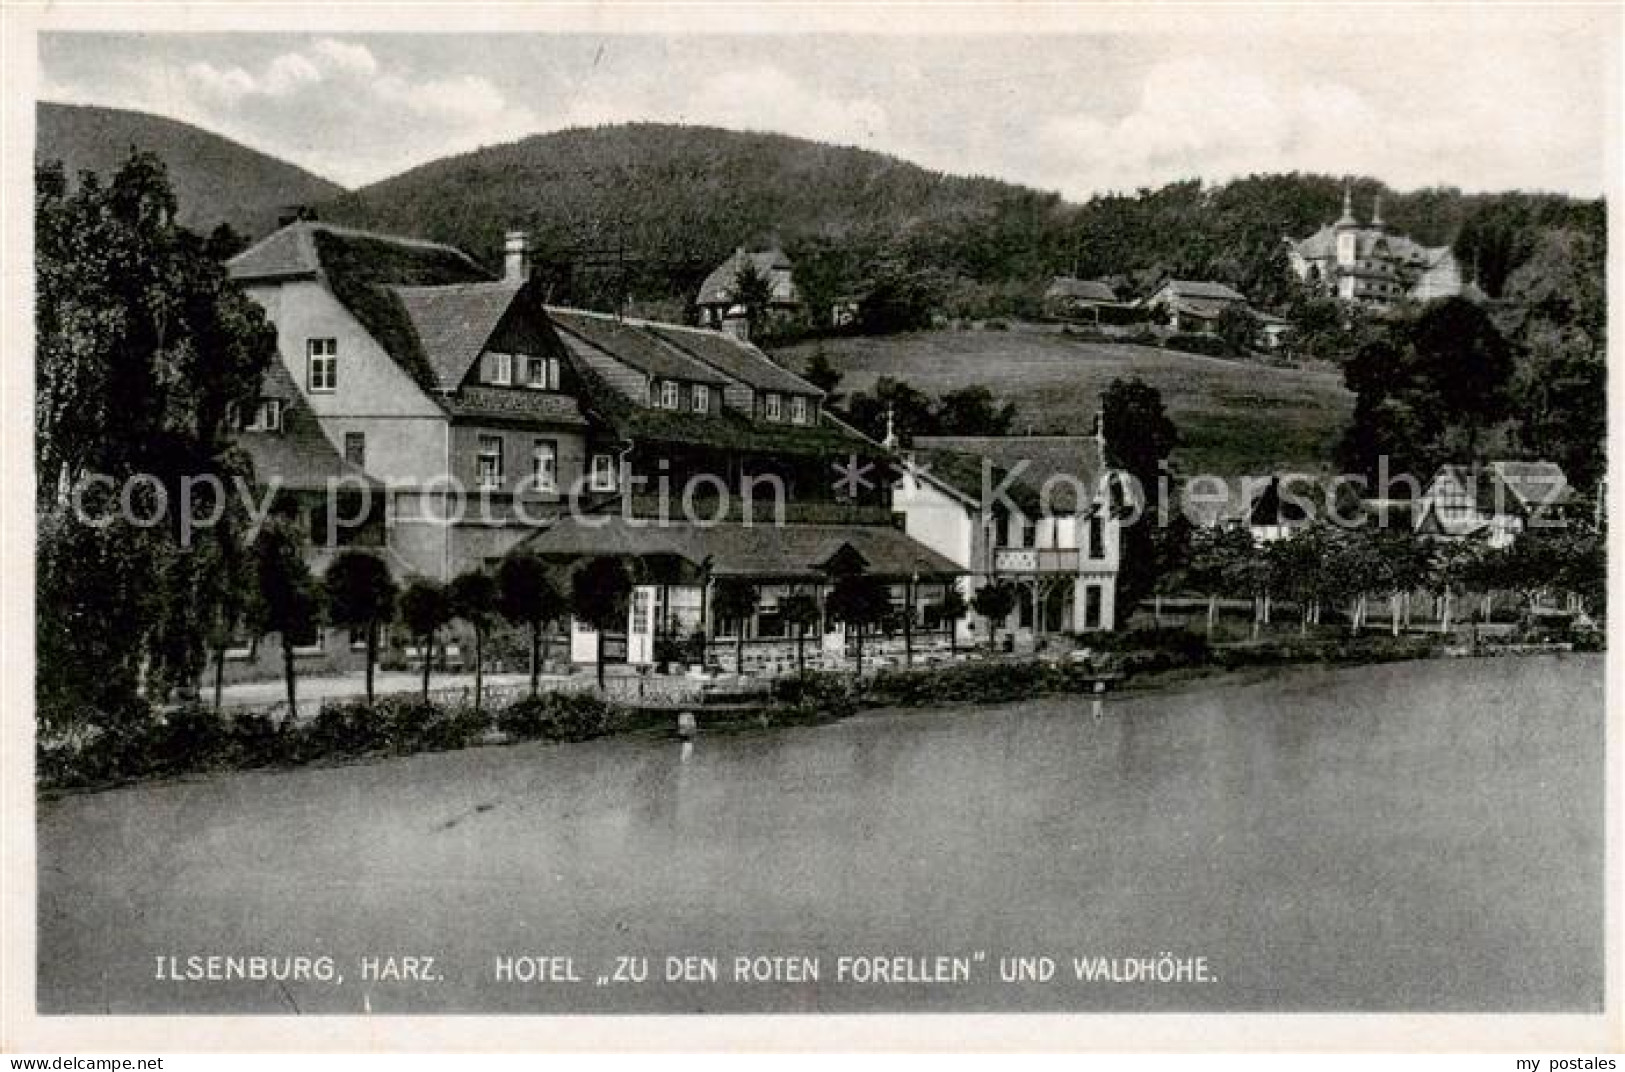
(654, 207)
(670, 202)
(216, 180)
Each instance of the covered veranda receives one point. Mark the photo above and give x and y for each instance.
(676, 569)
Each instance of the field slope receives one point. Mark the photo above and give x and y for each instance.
(1234, 417)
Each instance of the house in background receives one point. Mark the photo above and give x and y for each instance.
(1067, 298)
(1369, 264)
(1495, 502)
(1033, 511)
(718, 300)
(1194, 306)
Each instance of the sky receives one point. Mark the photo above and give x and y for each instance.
(1481, 107)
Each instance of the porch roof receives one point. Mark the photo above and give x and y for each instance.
(801, 552)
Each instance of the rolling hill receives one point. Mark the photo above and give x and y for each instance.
(1234, 418)
(667, 203)
(216, 180)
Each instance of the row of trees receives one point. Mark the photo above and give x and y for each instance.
(1322, 565)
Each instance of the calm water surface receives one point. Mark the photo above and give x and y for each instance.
(1422, 836)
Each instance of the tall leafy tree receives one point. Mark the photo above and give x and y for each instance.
(734, 600)
(143, 345)
(994, 602)
(599, 590)
(526, 595)
(361, 595)
(473, 598)
(289, 600)
(858, 600)
(799, 611)
(1139, 438)
(425, 609)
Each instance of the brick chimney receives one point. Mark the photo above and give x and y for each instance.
(516, 256)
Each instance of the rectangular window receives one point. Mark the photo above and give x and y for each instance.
(267, 416)
(1092, 600)
(323, 358)
(501, 369)
(355, 449)
(490, 461)
(542, 373)
(770, 406)
(544, 465)
(1097, 538)
(798, 409)
(702, 398)
(668, 394)
(603, 472)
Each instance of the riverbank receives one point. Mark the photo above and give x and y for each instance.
(196, 740)
(1329, 839)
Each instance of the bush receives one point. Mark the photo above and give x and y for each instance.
(1192, 343)
(816, 697)
(560, 716)
(347, 729)
(411, 724)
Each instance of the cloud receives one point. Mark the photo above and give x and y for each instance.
(1220, 117)
(332, 106)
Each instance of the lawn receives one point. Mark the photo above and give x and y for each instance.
(1235, 417)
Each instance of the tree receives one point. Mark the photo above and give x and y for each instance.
(994, 602)
(473, 597)
(288, 604)
(1215, 557)
(527, 595)
(1139, 438)
(1239, 328)
(599, 591)
(735, 600)
(425, 608)
(821, 374)
(799, 611)
(858, 600)
(361, 594)
(143, 346)
(973, 411)
(952, 611)
(753, 290)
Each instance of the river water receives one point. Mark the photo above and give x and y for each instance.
(1420, 836)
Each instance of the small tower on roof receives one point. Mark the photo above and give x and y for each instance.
(1347, 218)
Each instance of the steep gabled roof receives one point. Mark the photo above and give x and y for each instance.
(735, 358)
(631, 343)
(453, 323)
(306, 247)
(299, 457)
(1203, 288)
(1064, 465)
(719, 285)
(1064, 286)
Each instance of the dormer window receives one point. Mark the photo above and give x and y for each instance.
(499, 369)
(542, 373)
(267, 416)
(702, 398)
(771, 406)
(668, 394)
(798, 409)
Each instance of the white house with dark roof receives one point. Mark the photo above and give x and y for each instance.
(1371, 265)
(576, 434)
(718, 301)
(1034, 511)
(430, 375)
(1495, 502)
